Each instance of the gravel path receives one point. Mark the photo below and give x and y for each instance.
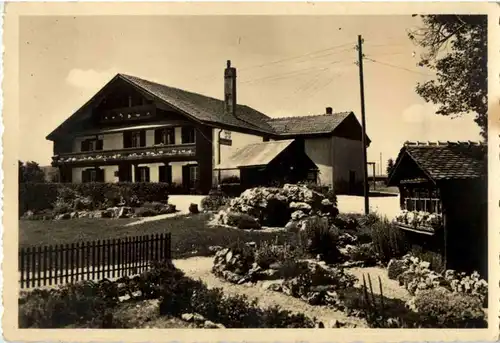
(391, 288)
(200, 268)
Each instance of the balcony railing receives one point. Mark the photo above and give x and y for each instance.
(141, 153)
(129, 114)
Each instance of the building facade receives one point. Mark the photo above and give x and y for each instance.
(134, 130)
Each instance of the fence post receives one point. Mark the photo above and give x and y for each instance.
(21, 265)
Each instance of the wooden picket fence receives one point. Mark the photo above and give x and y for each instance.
(112, 258)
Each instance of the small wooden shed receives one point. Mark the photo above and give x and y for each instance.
(271, 163)
(444, 200)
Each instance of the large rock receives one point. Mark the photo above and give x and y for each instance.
(302, 206)
(125, 212)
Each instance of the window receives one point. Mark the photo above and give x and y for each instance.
(421, 199)
(134, 139)
(188, 135)
(193, 175)
(142, 174)
(91, 144)
(92, 175)
(165, 136)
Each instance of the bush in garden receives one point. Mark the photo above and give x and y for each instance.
(364, 253)
(80, 303)
(242, 221)
(319, 239)
(268, 253)
(389, 242)
(328, 192)
(292, 268)
(36, 196)
(440, 308)
(436, 260)
(214, 201)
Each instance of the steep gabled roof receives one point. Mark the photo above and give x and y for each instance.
(204, 108)
(210, 110)
(445, 160)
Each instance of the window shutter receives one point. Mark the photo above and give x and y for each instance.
(162, 173)
(126, 139)
(157, 136)
(137, 176)
(147, 174)
(143, 138)
(99, 144)
(100, 175)
(83, 145)
(85, 176)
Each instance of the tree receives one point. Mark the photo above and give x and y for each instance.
(390, 165)
(456, 50)
(30, 172)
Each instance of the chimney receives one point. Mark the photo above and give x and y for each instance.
(230, 89)
(329, 110)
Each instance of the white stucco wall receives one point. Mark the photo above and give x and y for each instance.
(154, 171)
(109, 173)
(177, 170)
(76, 175)
(239, 140)
(347, 155)
(320, 152)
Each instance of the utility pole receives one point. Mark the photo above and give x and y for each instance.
(363, 124)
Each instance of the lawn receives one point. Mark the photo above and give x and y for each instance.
(190, 234)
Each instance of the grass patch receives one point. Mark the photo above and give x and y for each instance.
(190, 234)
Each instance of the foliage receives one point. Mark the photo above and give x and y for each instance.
(36, 196)
(319, 239)
(436, 260)
(328, 192)
(268, 253)
(242, 221)
(30, 172)
(364, 253)
(456, 50)
(79, 303)
(418, 277)
(388, 241)
(230, 179)
(214, 201)
(440, 308)
(390, 166)
(41, 196)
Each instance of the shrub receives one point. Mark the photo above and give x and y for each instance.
(84, 302)
(319, 239)
(146, 212)
(327, 192)
(439, 308)
(435, 259)
(364, 253)
(268, 253)
(36, 196)
(292, 268)
(214, 201)
(242, 221)
(389, 242)
(93, 195)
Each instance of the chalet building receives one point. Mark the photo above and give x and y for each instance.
(142, 131)
(447, 184)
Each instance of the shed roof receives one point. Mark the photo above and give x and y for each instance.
(445, 160)
(257, 154)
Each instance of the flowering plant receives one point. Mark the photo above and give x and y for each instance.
(420, 219)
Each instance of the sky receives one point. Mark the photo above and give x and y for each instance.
(287, 66)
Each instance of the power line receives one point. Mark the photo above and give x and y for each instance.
(397, 67)
(295, 57)
(292, 73)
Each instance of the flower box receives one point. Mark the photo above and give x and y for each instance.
(419, 221)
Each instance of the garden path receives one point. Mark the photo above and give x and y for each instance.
(390, 288)
(200, 268)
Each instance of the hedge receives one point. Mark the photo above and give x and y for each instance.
(40, 196)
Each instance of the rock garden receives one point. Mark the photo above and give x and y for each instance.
(315, 264)
(95, 200)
